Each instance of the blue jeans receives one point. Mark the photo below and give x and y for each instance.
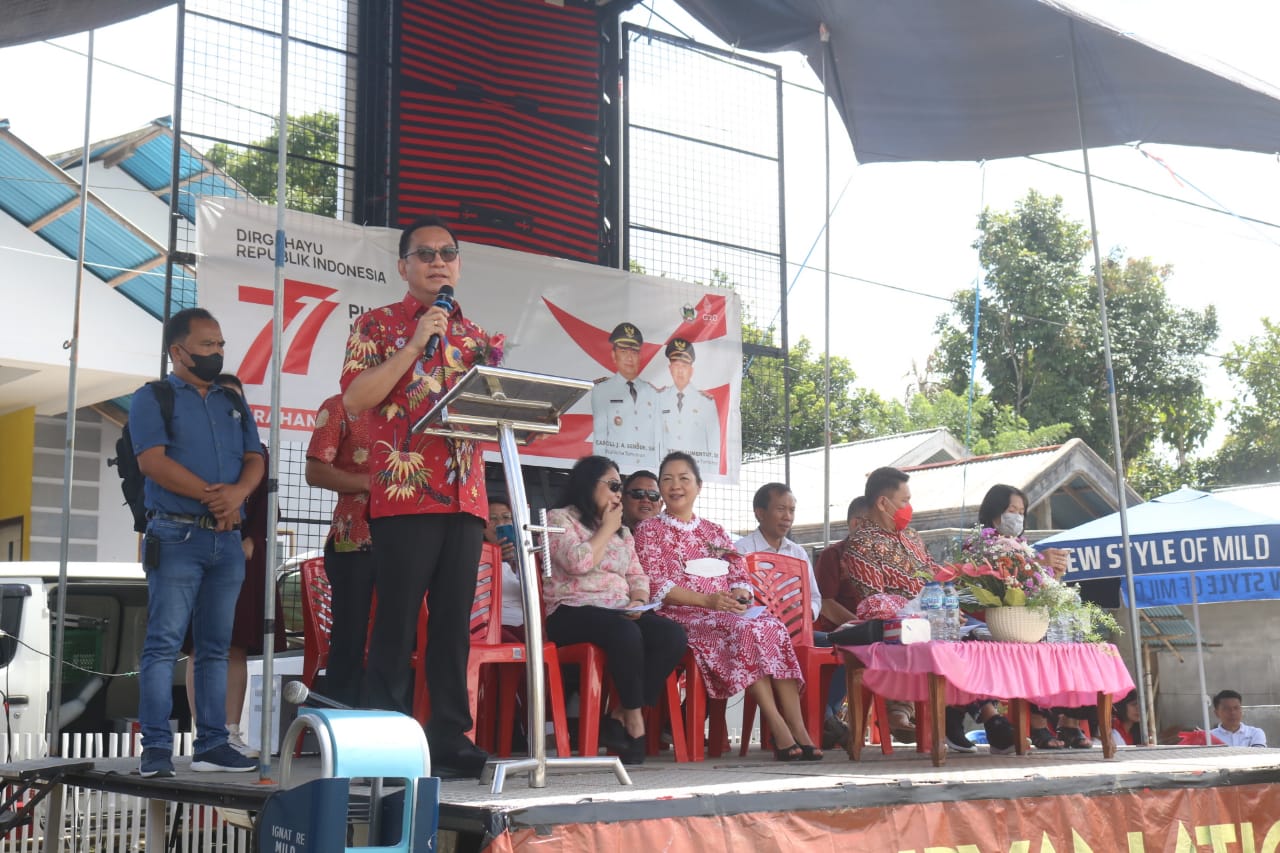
(197, 581)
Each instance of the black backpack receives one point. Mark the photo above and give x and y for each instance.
(126, 463)
(131, 476)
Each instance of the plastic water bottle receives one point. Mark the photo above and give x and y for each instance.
(1059, 629)
(931, 604)
(951, 608)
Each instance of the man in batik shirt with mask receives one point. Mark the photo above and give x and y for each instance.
(886, 556)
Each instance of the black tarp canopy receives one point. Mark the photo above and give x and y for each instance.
(984, 79)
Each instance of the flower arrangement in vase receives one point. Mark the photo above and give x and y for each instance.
(992, 570)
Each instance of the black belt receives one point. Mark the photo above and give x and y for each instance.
(205, 522)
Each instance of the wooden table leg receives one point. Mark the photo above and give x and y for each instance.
(938, 717)
(856, 709)
(1105, 734)
(1021, 713)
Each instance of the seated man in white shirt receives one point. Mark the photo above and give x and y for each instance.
(775, 508)
(1228, 707)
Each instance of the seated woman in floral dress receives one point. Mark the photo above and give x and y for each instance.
(702, 584)
(595, 581)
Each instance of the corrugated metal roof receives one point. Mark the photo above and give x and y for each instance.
(45, 200)
(146, 155)
(850, 465)
(1164, 627)
(950, 484)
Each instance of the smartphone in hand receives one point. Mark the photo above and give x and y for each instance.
(506, 533)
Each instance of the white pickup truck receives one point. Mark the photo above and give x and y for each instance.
(106, 619)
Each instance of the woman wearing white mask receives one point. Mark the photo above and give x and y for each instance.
(1004, 508)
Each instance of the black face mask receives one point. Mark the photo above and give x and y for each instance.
(205, 367)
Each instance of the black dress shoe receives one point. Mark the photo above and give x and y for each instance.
(634, 753)
(613, 734)
(463, 762)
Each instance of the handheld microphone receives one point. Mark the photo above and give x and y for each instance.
(297, 693)
(444, 299)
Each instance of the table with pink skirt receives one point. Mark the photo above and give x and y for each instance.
(940, 673)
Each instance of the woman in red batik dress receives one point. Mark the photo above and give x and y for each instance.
(702, 584)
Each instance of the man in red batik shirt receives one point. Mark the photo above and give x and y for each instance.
(427, 503)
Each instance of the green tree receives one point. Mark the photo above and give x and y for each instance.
(1157, 355)
(995, 429)
(1152, 475)
(1251, 451)
(311, 175)
(856, 413)
(1040, 341)
(1033, 299)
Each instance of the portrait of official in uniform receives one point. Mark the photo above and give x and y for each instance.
(624, 407)
(688, 417)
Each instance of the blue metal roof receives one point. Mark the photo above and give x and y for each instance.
(45, 200)
(146, 155)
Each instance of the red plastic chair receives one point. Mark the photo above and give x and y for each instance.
(782, 585)
(487, 649)
(698, 710)
(590, 660)
(594, 685)
(317, 619)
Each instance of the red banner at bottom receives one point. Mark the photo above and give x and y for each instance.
(1240, 819)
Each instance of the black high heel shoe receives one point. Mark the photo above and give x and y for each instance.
(635, 752)
(613, 734)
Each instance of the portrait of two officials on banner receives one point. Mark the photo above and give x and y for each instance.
(636, 423)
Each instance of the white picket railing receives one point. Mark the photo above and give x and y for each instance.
(103, 822)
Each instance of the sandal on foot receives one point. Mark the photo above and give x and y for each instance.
(1042, 738)
(1074, 738)
(795, 752)
(809, 752)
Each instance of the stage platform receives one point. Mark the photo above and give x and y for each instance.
(1144, 799)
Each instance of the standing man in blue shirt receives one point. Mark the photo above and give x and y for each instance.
(199, 467)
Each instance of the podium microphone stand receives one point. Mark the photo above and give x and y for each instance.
(512, 407)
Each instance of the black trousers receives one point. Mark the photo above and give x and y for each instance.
(351, 582)
(437, 556)
(641, 652)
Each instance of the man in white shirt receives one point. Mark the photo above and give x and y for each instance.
(775, 508)
(1228, 707)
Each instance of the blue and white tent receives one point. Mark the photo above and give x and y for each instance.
(1186, 547)
(1230, 553)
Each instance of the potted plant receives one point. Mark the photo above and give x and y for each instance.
(995, 573)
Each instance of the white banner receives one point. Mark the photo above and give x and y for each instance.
(557, 315)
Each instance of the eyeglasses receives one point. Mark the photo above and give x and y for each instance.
(615, 486)
(643, 495)
(427, 255)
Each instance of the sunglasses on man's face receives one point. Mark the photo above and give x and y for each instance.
(643, 495)
(427, 255)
